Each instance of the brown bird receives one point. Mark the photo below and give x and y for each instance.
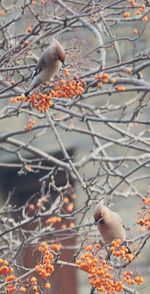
(48, 65)
(109, 224)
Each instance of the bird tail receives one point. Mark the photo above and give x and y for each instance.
(35, 82)
(125, 243)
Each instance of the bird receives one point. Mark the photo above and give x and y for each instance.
(109, 224)
(48, 65)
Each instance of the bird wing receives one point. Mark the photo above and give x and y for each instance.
(40, 65)
(116, 217)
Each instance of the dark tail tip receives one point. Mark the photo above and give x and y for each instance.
(26, 93)
(125, 243)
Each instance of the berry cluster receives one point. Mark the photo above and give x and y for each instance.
(68, 201)
(52, 220)
(68, 206)
(138, 11)
(69, 88)
(102, 78)
(43, 203)
(130, 279)
(144, 213)
(105, 78)
(100, 273)
(55, 247)
(63, 89)
(118, 250)
(6, 270)
(40, 101)
(44, 270)
(40, 204)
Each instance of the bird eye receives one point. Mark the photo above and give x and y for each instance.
(101, 221)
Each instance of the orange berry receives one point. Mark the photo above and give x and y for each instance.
(35, 288)
(72, 225)
(105, 75)
(129, 70)
(118, 286)
(97, 246)
(33, 280)
(54, 93)
(10, 278)
(120, 88)
(70, 207)
(138, 280)
(88, 247)
(31, 207)
(97, 76)
(134, 4)
(2, 12)
(136, 32)
(145, 18)
(11, 270)
(10, 289)
(66, 72)
(5, 262)
(142, 6)
(122, 253)
(29, 29)
(47, 285)
(23, 289)
(56, 247)
(93, 20)
(44, 245)
(62, 82)
(52, 220)
(116, 243)
(139, 11)
(26, 43)
(105, 81)
(146, 201)
(63, 227)
(126, 14)
(112, 248)
(130, 257)
(130, 281)
(73, 196)
(66, 200)
(113, 81)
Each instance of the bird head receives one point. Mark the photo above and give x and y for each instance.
(61, 57)
(101, 213)
(60, 52)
